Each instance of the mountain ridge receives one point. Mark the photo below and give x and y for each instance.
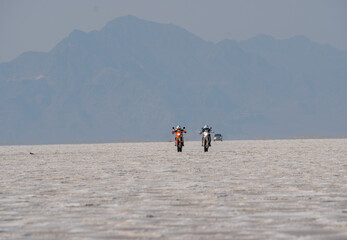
(115, 82)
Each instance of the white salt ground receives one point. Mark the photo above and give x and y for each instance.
(266, 189)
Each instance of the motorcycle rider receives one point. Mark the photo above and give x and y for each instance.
(209, 130)
(179, 129)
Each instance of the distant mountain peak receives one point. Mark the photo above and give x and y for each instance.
(130, 26)
(301, 39)
(127, 20)
(267, 39)
(77, 34)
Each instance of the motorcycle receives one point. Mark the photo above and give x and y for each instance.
(179, 141)
(206, 138)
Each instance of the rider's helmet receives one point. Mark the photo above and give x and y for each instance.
(205, 127)
(178, 127)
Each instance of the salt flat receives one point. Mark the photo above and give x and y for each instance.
(265, 189)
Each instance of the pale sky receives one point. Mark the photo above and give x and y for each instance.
(38, 25)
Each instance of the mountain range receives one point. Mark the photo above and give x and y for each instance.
(135, 79)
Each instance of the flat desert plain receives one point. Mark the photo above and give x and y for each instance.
(262, 189)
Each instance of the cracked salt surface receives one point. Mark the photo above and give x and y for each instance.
(269, 189)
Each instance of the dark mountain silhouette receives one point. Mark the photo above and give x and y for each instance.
(136, 79)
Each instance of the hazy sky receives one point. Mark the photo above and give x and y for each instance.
(38, 25)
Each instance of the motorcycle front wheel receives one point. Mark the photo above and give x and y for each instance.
(179, 147)
(205, 143)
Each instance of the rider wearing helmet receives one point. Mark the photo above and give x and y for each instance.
(179, 129)
(208, 129)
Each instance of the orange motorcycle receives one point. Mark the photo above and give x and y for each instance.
(179, 141)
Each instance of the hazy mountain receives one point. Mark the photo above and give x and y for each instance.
(137, 79)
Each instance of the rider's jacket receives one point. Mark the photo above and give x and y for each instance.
(205, 129)
(179, 130)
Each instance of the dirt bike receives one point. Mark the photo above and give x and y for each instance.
(179, 141)
(206, 139)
